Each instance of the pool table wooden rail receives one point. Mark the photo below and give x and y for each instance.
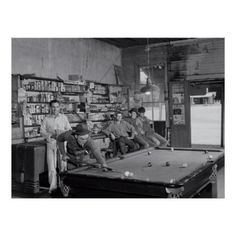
(87, 185)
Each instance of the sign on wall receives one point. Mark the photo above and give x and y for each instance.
(178, 104)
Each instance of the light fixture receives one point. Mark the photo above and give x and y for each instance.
(149, 87)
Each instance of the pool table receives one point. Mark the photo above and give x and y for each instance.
(153, 172)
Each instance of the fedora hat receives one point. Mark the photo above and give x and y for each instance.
(81, 130)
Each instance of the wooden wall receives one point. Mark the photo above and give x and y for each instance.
(198, 59)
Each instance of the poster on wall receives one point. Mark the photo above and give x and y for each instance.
(178, 98)
(178, 104)
(178, 114)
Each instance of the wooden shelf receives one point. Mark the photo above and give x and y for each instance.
(40, 78)
(99, 120)
(72, 122)
(72, 93)
(101, 111)
(68, 102)
(39, 102)
(29, 126)
(34, 137)
(102, 94)
(39, 114)
(106, 103)
(42, 91)
(100, 103)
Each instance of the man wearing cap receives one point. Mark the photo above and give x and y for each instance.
(79, 140)
(138, 138)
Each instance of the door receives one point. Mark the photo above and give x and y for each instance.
(207, 113)
(179, 114)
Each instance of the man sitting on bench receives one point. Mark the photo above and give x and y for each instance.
(78, 140)
(118, 131)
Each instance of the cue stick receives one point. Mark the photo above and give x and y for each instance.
(94, 166)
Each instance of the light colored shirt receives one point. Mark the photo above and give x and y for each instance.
(120, 129)
(54, 125)
(136, 123)
(143, 125)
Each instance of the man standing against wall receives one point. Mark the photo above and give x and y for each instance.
(53, 125)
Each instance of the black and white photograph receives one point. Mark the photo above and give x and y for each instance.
(117, 118)
(77, 133)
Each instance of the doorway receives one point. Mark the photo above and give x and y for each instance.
(207, 113)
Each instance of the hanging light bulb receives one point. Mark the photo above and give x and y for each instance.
(149, 87)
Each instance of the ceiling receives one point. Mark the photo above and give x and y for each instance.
(131, 42)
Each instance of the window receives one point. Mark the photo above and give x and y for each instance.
(155, 102)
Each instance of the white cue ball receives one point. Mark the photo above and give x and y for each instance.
(131, 174)
(210, 156)
(149, 153)
(185, 165)
(126, 173)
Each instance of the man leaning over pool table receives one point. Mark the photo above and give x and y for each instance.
(77, 141)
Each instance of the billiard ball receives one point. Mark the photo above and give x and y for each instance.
(210, 156)
(167, 163)
(149, 164)
(172, 181)
(185, 165)
(149, 153)
(126, 173)
(131, 174)
(147, 179)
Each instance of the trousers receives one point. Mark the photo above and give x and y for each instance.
(157, 139)
(122, 141)
(141, 141)
(52, 164)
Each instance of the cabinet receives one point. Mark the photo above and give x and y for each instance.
(81, 101)
(103, 100)
(30, 100)
(36, 93)
(73, 101)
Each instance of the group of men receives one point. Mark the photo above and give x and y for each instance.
(65, 144)
(134, 131)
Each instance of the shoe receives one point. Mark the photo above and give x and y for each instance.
(53, 193)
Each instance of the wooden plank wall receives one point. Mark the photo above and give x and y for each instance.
(202, 59)
(199, 59)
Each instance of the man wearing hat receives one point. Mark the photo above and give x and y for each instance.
(79, 140)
